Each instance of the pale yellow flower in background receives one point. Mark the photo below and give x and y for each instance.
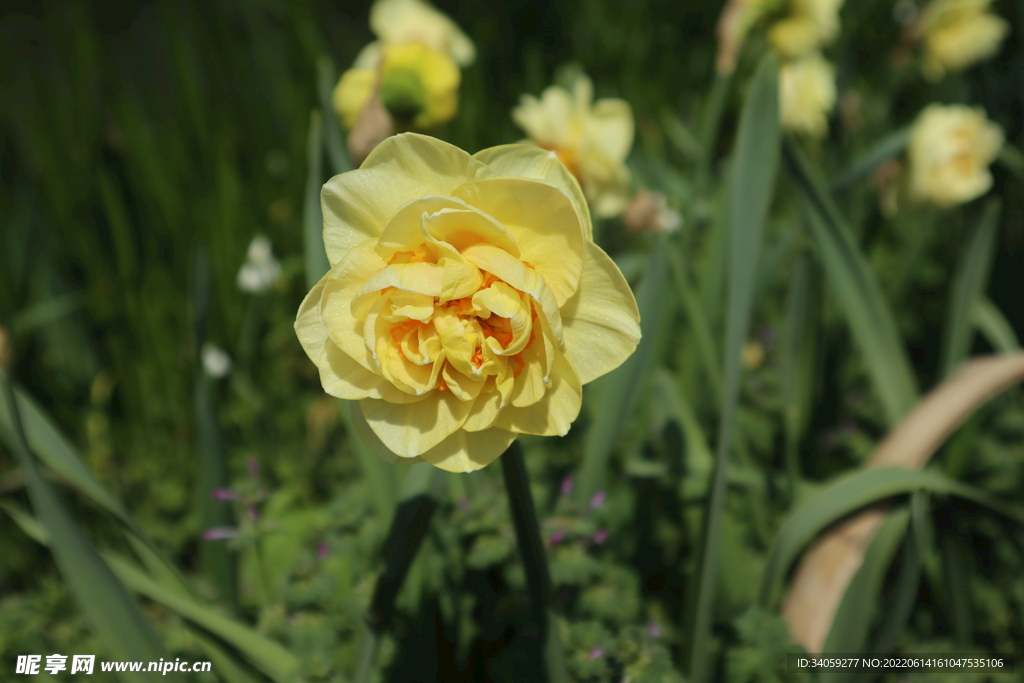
(416, 21)
(811, 25)
(466, 302)
(591, 138)
(957, 34)
(807, 95)
(418, 85)
(951, 147)
(413, 68)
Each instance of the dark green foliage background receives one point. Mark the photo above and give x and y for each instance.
(136, 135)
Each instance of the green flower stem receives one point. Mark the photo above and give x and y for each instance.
(535, 563)
(409, 527)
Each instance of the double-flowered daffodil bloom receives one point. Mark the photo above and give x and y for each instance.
(807, 94)
(957, 34)
(413, 68)
(811, 25)
(950, 150)
(591, 138)
(466, 302)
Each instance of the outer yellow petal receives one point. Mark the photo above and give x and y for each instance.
(601, 322)
(308, 328)
(485, 410)
(343, 377)
(340, 287)
(553, 414)
(469, 451)
(530, 161)
(543, 221)
(358, 204)
(414, 428)
(371, 441)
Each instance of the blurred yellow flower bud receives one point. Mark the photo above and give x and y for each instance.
(807, 95)
(591, 138)
(950, 150)
(415, 21)
(418, 85)
(957, 34)
(811, 25)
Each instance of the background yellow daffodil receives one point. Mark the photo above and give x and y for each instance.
(591, 138)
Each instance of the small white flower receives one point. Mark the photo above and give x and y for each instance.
(261, 269)
(216, 361)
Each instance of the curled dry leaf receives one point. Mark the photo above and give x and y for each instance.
(373, 126)
(829, 565)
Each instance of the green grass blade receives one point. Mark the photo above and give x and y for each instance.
(312, 219)
(697, 318)
(50, 446)
(798, 360)
(227, 667)
(380, 476)
(337, 153)
(755, 166)
(624, 385)
(996, 329)
(969, 284)
(264, 654)
(869, 316)
(883, 150)
(115, 618)
(850, 493)
(856, 612)
(1012, 159)
(901, 602)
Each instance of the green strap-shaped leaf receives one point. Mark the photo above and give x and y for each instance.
(333, 141)
(624, 385)
(755, 165)
(878, 154)
(852, 622)
(263, 653)
(850, 493)
(969, 285)
(115, 618)
(869, 316)
(997, 330)
(312, 218)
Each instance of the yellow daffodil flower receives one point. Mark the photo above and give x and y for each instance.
(811, 25)
(950, 150)
(414, 21)
(591, 138)
(466, 302)
(418, 85)
(807, 95)
(957, 34)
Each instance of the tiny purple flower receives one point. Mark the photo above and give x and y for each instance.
(253, 465)
(566, 486)
(254, 514)
(464, 503)
(322, 551)
(596, 653)
(597, 500)
(220, 533)
(601, 536)
(654, 629)
(556, 538)
(222, 494)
